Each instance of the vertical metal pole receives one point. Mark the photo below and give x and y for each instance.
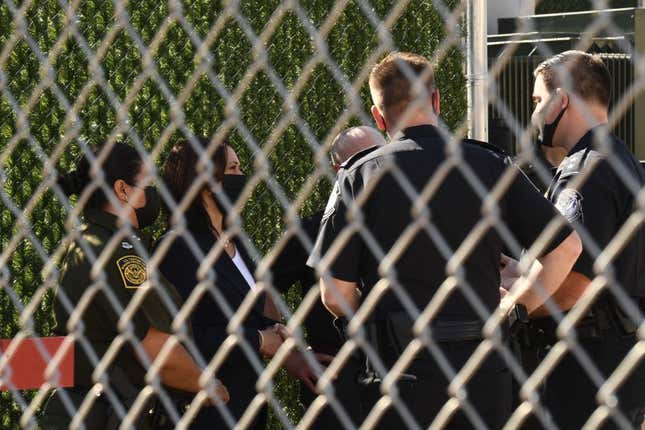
(639, 101)
(476, 69)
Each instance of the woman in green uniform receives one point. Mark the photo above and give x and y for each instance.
(103, 269)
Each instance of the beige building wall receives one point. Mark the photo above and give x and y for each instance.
(506, 9)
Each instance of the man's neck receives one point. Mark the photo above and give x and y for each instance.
(581, 124)
(413, 121)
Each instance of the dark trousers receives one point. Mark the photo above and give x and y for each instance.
(101, 415)
(570, 395)
(489, 391)
(347, 392)
(240, 378)
(210, 419)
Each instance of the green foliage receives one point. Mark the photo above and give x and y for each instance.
(321, 100)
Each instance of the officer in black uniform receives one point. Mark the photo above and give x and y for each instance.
(344, 256)
(104, 261)
(572, 114)
(290, 267)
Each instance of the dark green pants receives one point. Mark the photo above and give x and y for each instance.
(101, 415)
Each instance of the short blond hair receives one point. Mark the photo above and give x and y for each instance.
(391, 85)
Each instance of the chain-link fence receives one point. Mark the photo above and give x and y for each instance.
(280, 79)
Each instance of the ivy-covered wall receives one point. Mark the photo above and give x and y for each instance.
(320, 103)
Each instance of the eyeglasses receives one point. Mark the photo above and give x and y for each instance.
(332, 160)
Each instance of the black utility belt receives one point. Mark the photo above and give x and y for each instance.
(604, 319)
(393, 332)
(398, 330)
(456, 331)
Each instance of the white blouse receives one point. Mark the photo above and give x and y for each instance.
(244, 271)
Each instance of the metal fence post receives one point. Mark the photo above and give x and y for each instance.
(476, 69)
(639, 101)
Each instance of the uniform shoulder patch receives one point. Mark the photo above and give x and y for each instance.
(132, 270)
(569, 203)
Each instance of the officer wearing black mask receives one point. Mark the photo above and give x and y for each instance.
(571, 95)
(121, 262)
(379, 242)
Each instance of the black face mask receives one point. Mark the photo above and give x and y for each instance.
(232, 186)
(546, 131)
(148, 213)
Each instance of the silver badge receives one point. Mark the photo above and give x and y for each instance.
(126, 245)
(569, 203)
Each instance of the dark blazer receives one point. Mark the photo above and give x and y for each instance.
(289, 267)
(209, 321)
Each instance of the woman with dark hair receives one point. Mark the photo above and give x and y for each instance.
(233, 269)
(102, 270)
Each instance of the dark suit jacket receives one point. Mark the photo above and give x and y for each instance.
(289, 267)
(209, 321)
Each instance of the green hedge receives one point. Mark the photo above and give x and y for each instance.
(322, 101)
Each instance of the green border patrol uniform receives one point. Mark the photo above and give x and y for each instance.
(124, 272)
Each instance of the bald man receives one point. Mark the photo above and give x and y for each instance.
(353, 142)
(290, 267)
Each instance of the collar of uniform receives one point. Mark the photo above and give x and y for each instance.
(104, 219)
(426, 130)
(586, 140)
(111, 223)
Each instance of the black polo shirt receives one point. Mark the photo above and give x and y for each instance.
(455, 209)
(602, 205)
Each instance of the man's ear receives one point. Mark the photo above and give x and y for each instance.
(120, 188)
(563, 98)
(378, 118)
(436, 102)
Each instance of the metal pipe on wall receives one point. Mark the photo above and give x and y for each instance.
(476, 69)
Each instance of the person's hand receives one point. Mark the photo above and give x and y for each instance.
(270, 340)
(221, 393)
(296, 365)
(506, 303)
(282, 331)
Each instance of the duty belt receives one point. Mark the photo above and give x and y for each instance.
(604, 317)
(456, 331)
(393, 332)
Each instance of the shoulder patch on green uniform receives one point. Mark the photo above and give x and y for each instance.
(133, 270)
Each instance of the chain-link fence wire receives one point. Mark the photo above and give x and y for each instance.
(79, 57)
(295, 78)
(605, 280)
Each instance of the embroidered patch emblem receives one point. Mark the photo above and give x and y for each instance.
(126, 245)
(569, 203)
(133, 270)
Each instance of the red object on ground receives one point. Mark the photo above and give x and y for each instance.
(27, 365)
